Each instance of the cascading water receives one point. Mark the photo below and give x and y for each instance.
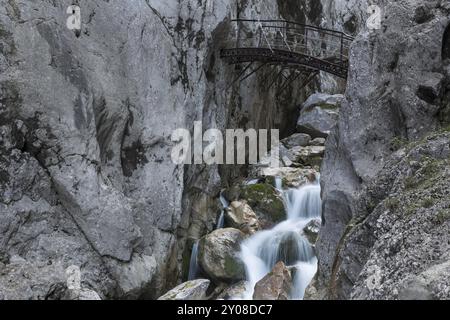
(285, 242)
(193, 264)
(225, 205)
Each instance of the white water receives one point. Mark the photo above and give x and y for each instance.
(225, 205)
(193, 264)
(285, 242)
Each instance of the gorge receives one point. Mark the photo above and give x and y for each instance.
(358, 209)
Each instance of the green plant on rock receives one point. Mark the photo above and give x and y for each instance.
(428, 202)
(443, 216)
(392, 203)
(398, 142)
(264, 198)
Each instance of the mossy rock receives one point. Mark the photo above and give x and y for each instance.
(264, 199)
(218, 255)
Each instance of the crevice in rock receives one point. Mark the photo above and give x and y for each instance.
(446, 44)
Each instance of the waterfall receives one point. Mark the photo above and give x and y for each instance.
(285, 242)
(225, 205)
(193, 264)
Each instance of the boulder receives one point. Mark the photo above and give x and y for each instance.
(311, 230)
(318, 142)
(240, 215)
(82, 295)
(235, 291)
(219, 255)
(308, 156)
(319, 115)
(191, 290)
(297, 140)
(291, 177)
(277, 285)
(265, 201)
(323, 100)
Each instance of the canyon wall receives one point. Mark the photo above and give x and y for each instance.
(86, 120)
(385, 173)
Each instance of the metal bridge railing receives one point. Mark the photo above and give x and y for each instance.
(293, 37)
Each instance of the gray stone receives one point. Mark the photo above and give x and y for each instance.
(235, 291)
(191, 290)
(290, 177)
(318, 117)
(240, 215)
(277, 285)
(218, 255)
(296, 140)
(86, 118)
(311, 230)
(318, 142)
(381, 105)
(322, 100)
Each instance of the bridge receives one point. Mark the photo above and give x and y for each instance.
(292, 51)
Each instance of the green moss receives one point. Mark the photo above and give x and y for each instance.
(443, 216)
(327, 106)
(398, 143)
(428, 202)
(425, 177)
(13, 10)
(411, 209)
(392, 203)
(233, 267)
(264, 198)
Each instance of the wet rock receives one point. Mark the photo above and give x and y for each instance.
(297, 140)
(312, 229)
(235, 291)
(277, 285)
(191, 290)
(240, 215)
(354, 245)
(397, 245)
(308, 156)
(219, 255)
(265, 201)
(291, 177)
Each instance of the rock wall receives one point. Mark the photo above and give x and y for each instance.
(85, 125)
(397, 94)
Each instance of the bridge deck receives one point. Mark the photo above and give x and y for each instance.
(290, 45)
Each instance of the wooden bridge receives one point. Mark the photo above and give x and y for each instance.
(294, 51)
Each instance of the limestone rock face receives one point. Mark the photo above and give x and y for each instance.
(191, 290)
(276, 285)
(86, 118)
(219, 255)
(391, 101)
